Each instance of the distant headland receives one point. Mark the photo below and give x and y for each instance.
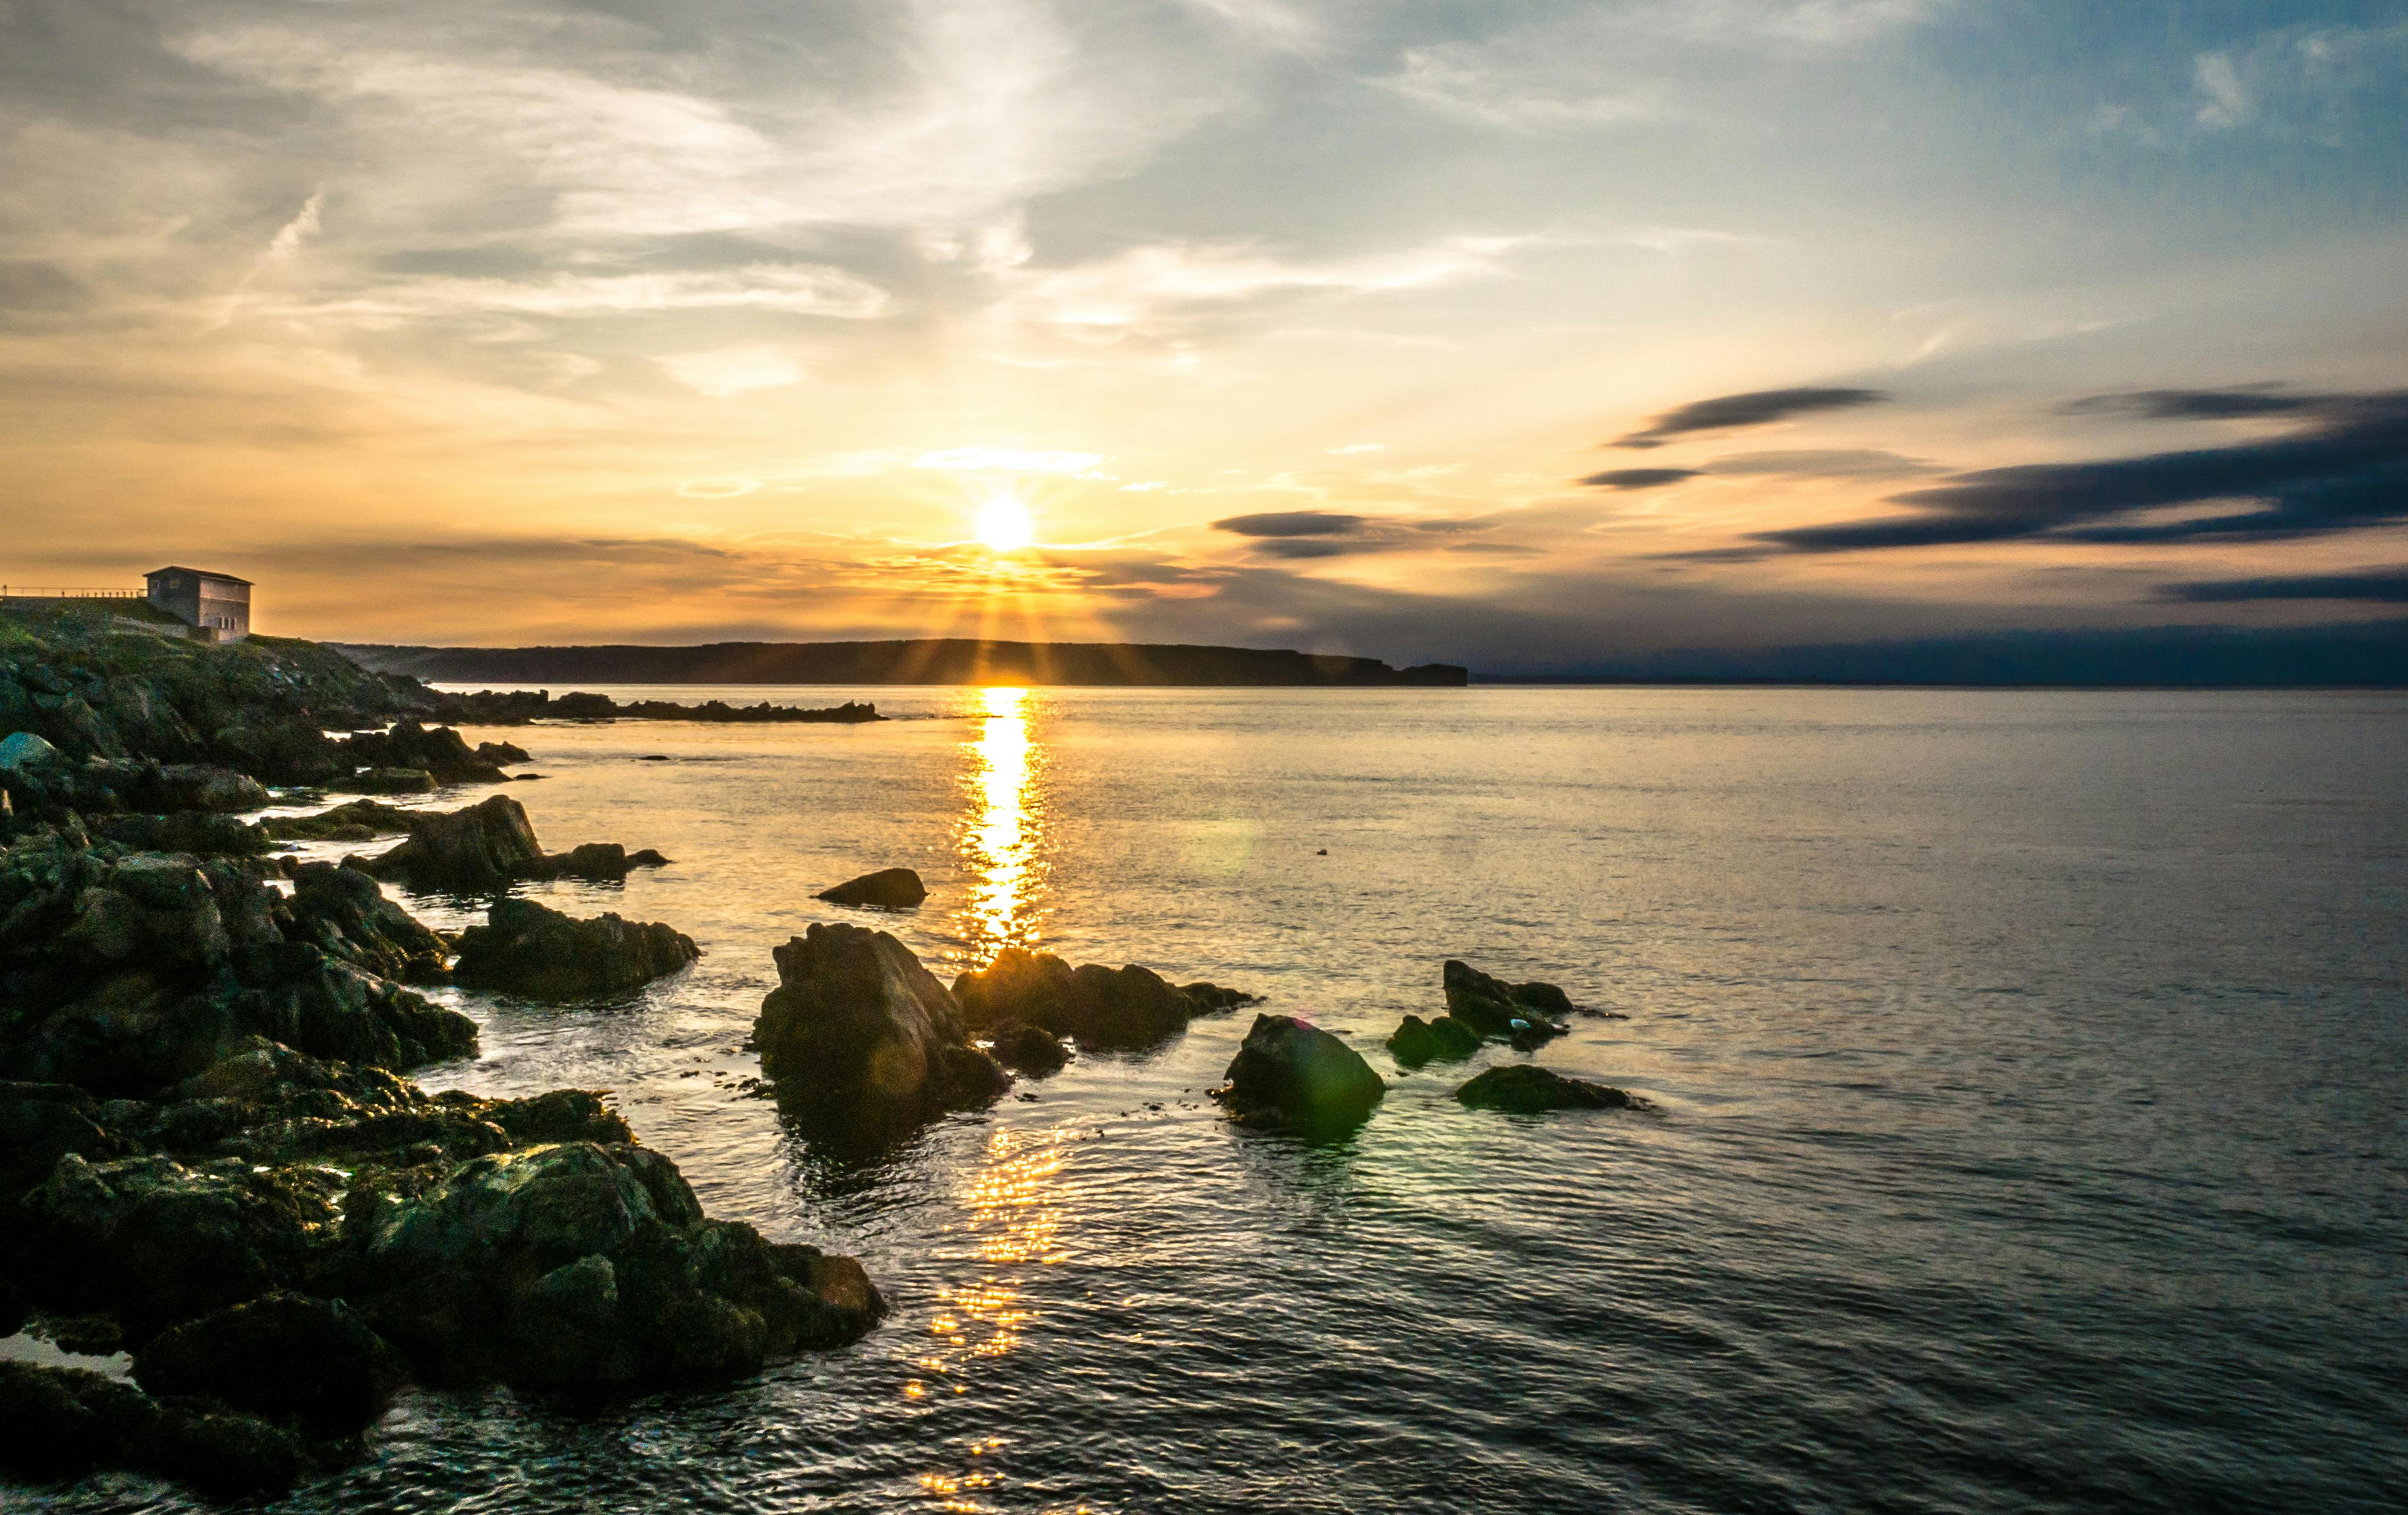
(921, 660)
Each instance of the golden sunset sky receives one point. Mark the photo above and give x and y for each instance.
(1501, 333)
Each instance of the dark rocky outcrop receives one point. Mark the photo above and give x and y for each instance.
(195, 833)
(1527, 1088)
(527, 950)
(1293, 1075)
(1031, 1051)
(863, 1042)
(1102, 1009)
(439, 750)
(1418, 1041)
(387, 781)
(1210, 999)
(889, 889)
(487, 847)
(59, 1423)
(361, 820)
(343, 913)
(517, 707)
(502, 753)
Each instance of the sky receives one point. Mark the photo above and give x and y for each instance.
(1523, 334)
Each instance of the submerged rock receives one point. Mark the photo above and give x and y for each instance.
(889, 889)
(865, 1042)
(1418, 1041)
(525, 948)
(1102, 1009)
(1296, 1075)
(1527, 1088)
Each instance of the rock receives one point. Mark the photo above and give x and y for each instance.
(498, 753)
(361, 820)
(64, 1422)
(23, 750)
(1029, 1051)
(439, 750)
(1293, 1074)
(387, 781)
(343, 913)
(1102, 1009)
(1493, 1007)
(525, 948)
(195, 833)
(202, 787)
(1418, 1041)
(1527, 1088)
(39, 1124)
(863, 1041)
(1212, 1000)
(488, 846)
(282, 1354)
(328, 1008)
(602, 861)
(889, 889)
(13, 1308)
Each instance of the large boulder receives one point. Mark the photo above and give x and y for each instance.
(1295, 1076)
(281, 1354)
(889, 889)
(1031, 1051)
(1519, 1013)
(1102, 1009)
(525, 948)
(862, 1040)
(21, 751)
(342, 913)
(488, 846)
(328, 1008)
(1527, 1088)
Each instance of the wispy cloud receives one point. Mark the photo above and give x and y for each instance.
(1006, 460)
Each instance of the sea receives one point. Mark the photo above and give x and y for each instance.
(2028, 1073)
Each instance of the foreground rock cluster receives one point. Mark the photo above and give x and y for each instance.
(208, 1155)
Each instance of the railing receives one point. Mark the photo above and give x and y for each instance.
(27, 591)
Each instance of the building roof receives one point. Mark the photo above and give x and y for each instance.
(198, 573)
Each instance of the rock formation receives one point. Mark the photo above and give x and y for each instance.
(889, 889)
(1102, 1009)
(863, 1042)
(1293, 1075)
(527, 950)
(487, 847)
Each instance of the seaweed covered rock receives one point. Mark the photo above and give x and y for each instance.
(889, 889)
(1102, 1009)
(488, 846)
(1292, 1074)
(1527, 1088)
(1418, 1041)
(525, 948)
(58, 1423)
(864, 1042)
(281, 1354)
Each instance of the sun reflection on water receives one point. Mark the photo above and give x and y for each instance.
(1001, 829)
(1016, 1212)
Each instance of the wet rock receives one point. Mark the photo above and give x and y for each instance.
(328, 1008)
(195, 833)
(361, 820)
(282, 1354)
(1029, 1051)
(1212, 1000)
(200, 786)
(525, 948)
(488, 846)
(1527, 1088)
(1418, 1041)
(499, 753)
(59, 1423)
(1102, 1009)
(889, 889)
(1523, 1013)
(1289, 1074)
(604, 862)
(23, 750)
(863, 1041)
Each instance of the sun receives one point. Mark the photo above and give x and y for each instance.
(1003, 526)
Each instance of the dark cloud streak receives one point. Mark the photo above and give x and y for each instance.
(1725, 412)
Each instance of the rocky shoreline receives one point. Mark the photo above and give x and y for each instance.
(211, 1160)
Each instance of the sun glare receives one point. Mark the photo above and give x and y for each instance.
(1003, 526)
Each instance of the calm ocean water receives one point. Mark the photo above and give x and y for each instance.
(2031, 1128)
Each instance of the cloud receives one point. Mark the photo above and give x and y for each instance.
(2379, 586)
(2225, 101)
(1820, 463)
(1754, 409)
(1355, 449)
(2349, 469)
(792, 289)
(732, 371)
(1006, 460)
(1638, 478)
(1291, 524)
(2196, 404)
